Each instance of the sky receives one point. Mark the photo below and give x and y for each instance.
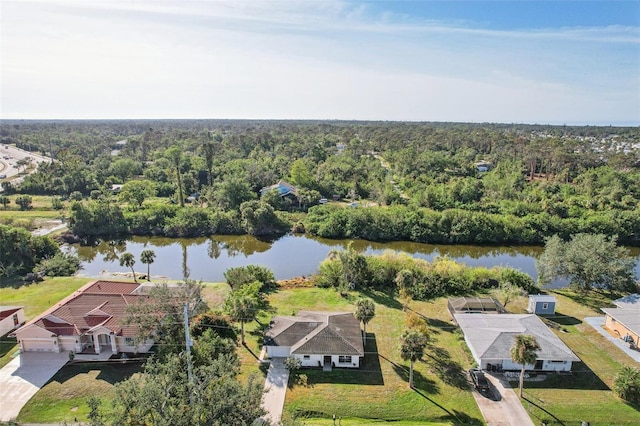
(544, 62)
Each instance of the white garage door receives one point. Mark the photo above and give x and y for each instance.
(38, 346)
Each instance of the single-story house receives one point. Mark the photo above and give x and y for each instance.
(317, 339)
(284, 188)
(624, 321)
(491, 337)
(89, 321)
(542, 304)
(475, 305)
(11, 317)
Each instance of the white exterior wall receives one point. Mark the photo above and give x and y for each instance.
(6, 325)
(141, 348)
(556, 366)
(508, 364)
(335, 361)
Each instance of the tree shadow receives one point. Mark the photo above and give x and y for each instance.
(7, 344)
(109, 371)
(592, 299)
(543, 419)
(580, 377)
(420, 382)
(382, 298)
(455, 417)
(561, 319)
(446, 369)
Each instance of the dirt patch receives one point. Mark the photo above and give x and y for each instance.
(297, 282)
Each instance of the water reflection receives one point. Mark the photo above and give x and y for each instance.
(289, 256)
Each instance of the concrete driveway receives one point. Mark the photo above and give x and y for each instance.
(276, 389)
(505, 409)
(23, 377)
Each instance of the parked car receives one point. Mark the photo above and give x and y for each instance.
(3, 176)
(480, 382)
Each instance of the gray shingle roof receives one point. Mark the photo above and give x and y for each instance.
(322, 333)
(630, 318)
(493, 336)
(631, 301)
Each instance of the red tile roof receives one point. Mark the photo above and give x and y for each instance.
(8, 312)
(99, 303)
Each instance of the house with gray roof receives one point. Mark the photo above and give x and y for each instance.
(624, 320)
(491, 337)
(317, 339)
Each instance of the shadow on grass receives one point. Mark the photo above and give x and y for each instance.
(446, 369)
(420, 382)
(592, 299)
(369, 373)
(455, 417)
(110, 372)
(561, 319)
(248, 349)
(6, 345)
(382, 298)
(581, 377)
(544, 419)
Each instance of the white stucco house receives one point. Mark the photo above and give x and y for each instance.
(317, 339)
(11, 317)
(491, 337)
(89, 321)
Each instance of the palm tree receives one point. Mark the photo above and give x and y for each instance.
(147, 257)
(243, 308)
(174, 154)
(412, 349)
(365, 311)
(127, 260)
(523, 352)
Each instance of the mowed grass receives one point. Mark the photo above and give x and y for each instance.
(36, 298)
(64, 397)
(586, 394)
(379, 390)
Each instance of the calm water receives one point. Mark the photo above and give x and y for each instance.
(289, 256)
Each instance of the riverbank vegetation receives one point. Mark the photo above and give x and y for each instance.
(426, 182)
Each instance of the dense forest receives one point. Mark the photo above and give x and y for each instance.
(423, 182)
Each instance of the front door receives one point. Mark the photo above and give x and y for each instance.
(327, 359)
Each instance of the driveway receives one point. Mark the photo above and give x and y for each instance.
(505, 409)
(276, 389)
(23, 377)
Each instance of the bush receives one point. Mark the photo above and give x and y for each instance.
(24, 201)
(60, 265)
(56, 203)
(75, 196)
(627, 384)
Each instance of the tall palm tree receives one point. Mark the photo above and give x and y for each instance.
(174, 154)
(243, 308)
(412, 349)
(127, 260)
(147, 257)
(523, 352)
(365, 311)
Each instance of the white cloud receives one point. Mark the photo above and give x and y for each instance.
(302, 59)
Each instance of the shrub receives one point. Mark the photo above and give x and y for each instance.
(627, 384)
(56, 203)
(24, 201)
(75, 196)
(60, 265)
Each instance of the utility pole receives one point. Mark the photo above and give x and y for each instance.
(188, 343)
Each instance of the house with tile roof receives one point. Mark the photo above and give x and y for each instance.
(491, 337)
(284, 189)
(624, 320)
(89, 321)
(317, 339)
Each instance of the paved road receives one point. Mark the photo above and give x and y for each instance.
(23, 377)
(8, 165)
(276, 389)
(505, 409)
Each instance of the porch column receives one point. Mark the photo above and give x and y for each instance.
(114, 349)
(79, 345)
(96, 343)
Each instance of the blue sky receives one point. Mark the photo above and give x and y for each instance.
(557, 62)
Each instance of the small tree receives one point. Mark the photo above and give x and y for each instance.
(4, 200)
(523, 352)
(627, 384)
(365, 311)
(412, 349)
(24, 201)
(127, 260)
(242, 307)
(147, 257)
(292, 363)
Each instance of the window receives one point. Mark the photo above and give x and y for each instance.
(15, 320)
(545, 306)
(129, 341)
(556, 362)
(344, 359)
(307, 357)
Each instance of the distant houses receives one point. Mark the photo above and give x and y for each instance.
(284, 188)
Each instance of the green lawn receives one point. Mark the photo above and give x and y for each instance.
(64, 397)
(379, 390)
